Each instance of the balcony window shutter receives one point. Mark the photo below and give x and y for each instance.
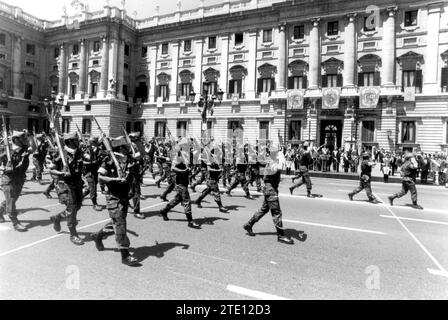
(157, 92)
(259, 85)
(290, 82)
(418, 78)
(231, 86)
(272, 84)
(339, 80)
(167, 91)
(324, 81)
(360, 79)
(239, 84)
(179, 89)
(376, 79)
(305, 82)
(444, 77)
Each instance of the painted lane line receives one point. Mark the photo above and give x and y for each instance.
(441, 269)
(335, 227)
(437, 272)
(4, 228)
(254, 293)
(60, 235)
(413, 219)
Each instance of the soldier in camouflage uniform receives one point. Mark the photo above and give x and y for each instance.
(364, 179)
(39, 158)
(91, 160)
(408, 173)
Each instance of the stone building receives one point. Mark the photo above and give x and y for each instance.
(336, 72)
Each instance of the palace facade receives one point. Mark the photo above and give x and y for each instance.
(291, 71)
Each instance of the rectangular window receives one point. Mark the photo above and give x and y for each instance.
(56, 52)
(67, 108)
(164, 65)
(181, 128)
(65, 125)
(128, 126)
(266, 54)
(211, 60)
(126, 66)
(234, 129)
(95, 62)
(74, 65)
(298, 52)
(332, 28)
(187, 46)
(125, 92)
(368, 78)
(410, 18)
(408, 132)
(266, 85)
(332, 80)
(129, 110)
(409, 78)
(86, 126)
(2, 56)
(186, 62)
(163, 92)
(368, 131)
(239, 38)
(235, 86)
(299, 32)
(138, 127)
(185, 89)
(88, 107)
(444, 80)
(160, 129)
(75, 49)
(297, 82)
(30, 49)
(28, 90)
(212, 42)
(295, 127)
(209, 87)
(237, 57)
(29, 64)
(126, 50)
(164, 48)
(33, 125)
(369, 24)
(93, 89)
(72, 91)
(2, 39)
(1, 84)
(264, 130)
(267, 35)
(96, 46)
(209, 132)
(144, 51)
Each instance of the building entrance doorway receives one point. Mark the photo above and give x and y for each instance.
(331, 133)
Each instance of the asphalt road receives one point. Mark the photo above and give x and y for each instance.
(343, 249)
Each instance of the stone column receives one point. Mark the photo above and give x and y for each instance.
(82, 70)
(388, 47)
(349, 51)
(314, 55)
(104, 68)
(281, 83)
(120, 71)
(251, 82)
(174, 71)
(197, 81)
(224, 72)
(432, 69)
(62, 70)
(113, 60)
(152, 72)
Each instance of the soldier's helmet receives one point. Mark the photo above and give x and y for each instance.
(19, 136)
(408, 155)
(366, 155)
(39, 136)
(305, 145)
(134, 135)
(93, 140)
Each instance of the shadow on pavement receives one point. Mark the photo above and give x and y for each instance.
(150, 214)
(298, 235)
(36, 223)
(21, 211)
(208, 220)
(158, 250)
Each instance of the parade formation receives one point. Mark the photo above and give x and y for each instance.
(78, 165)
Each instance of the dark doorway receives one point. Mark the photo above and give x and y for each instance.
(331, 133)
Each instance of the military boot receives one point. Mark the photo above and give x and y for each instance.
(164, 214)
(56, 220)
(47, 194)
(74, 238)
(127, 259)
(248, 228)
(98, 239)
(350, 196)
(2, 212)
(191, 223)
(222, 208)
(417, 206)
(16, 224)
(391, 200)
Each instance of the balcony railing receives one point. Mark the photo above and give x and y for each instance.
(258, 94)
(242, 95)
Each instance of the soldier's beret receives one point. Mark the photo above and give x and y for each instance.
(18, 134)
(408, 155)
(134, 135)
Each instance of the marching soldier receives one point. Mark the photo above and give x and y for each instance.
(14, 176)
(39, 158)
(51, 157)
(271, 180)
(364, 179)
(408, 173)
(171, 179)
(241, 167)
(182, 194)
(117, 200)
(91, 160)
(212, 184)
(69, 186)
(203, 171)
(162, 158)
(135, 167)
(304, 162)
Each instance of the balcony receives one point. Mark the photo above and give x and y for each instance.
(241, 95)
(258, 94)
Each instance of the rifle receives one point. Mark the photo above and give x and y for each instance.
(128, 139)
(6, 141)
(80, 135)
(51, 118)
(34, 138)
(106, 143)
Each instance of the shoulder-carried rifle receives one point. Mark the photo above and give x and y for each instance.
(51, 119)
(80, 135)
(108, 147)
(128, 140)
(6, 140)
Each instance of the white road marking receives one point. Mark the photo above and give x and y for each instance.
(438, 272)
(60, 234)
(254, 293)
(334, 227)
(419, 220)
(441, 270)
(273, 262)
(4, 228)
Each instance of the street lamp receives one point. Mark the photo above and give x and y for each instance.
(206, 103)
